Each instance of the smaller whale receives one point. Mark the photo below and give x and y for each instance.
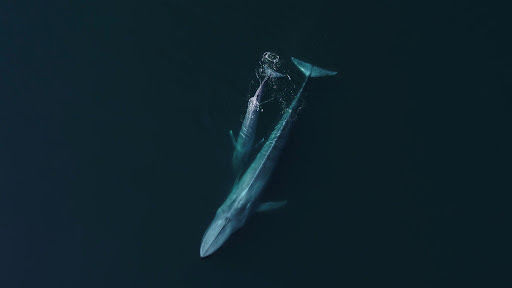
(243, 144)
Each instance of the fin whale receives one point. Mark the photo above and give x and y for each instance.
(243, 201)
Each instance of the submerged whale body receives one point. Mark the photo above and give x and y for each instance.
(243, 144)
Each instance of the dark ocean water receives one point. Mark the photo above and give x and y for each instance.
(114, 152)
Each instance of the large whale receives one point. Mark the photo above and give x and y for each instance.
(243, 201)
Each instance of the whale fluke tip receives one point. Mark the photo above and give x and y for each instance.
(312, 70)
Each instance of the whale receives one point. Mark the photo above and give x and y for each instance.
(244, 198)
(243, 143)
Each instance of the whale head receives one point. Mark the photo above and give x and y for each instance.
(217, 233)
(230, 217)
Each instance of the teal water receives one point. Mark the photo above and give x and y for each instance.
(114, 152)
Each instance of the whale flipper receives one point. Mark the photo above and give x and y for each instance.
(258, 145)
(233, 140)
(268, 206)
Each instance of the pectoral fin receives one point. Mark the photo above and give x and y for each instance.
(258, 145)
(268, 206)
(233, 140)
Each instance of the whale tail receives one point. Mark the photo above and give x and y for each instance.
(311, 70)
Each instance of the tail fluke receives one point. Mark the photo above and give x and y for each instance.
(311, 70)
